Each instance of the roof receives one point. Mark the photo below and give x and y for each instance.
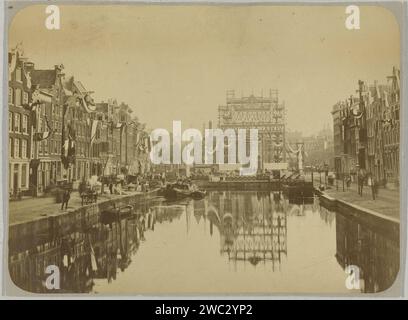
(43, 78)
(80, 87)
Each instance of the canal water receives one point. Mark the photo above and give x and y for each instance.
(228, 243)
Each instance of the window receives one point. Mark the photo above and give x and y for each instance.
(24, 148)
(17, 122)
(10, 95)
(16, 148)
(25, 97)
(10, 121)
(11, 147)
(17, 97)
(25, 124)
(23, 175)
(45, 147)
(18, 74)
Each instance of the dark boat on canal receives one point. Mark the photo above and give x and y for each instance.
(178, 191)
(113, 214)
(298, 189)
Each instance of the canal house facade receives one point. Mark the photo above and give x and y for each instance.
(19, 125)
(57, 133)
(46, 111)
(367, 132)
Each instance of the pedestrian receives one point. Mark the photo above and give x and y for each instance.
(111, 187)
(370, 184)
(361, 176)
(348, 181)
(65, 198)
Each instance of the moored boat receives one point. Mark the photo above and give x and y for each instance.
(181, 191)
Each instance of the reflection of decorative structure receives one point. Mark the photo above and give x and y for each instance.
(266, 114)
(259, 240)
(255, 232)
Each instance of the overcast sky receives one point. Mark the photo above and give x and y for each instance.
(176, 62)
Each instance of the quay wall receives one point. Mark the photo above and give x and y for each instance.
(59, 224)
(374, 220)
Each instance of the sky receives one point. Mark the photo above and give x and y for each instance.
(177, 62)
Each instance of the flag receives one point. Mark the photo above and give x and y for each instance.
(39, 136)
(93, 130)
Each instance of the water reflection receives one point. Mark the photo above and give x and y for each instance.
(376, 255)
(252, 226)
(301, 246)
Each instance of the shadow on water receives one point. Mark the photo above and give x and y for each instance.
(252, 226)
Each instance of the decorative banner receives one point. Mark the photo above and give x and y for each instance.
(93, 130)
(144, 144)
(88, 103)
(39, 136)
(357, 114)
(15, 54)
(119, 125)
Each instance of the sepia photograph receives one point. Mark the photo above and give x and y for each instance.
(197, 149)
